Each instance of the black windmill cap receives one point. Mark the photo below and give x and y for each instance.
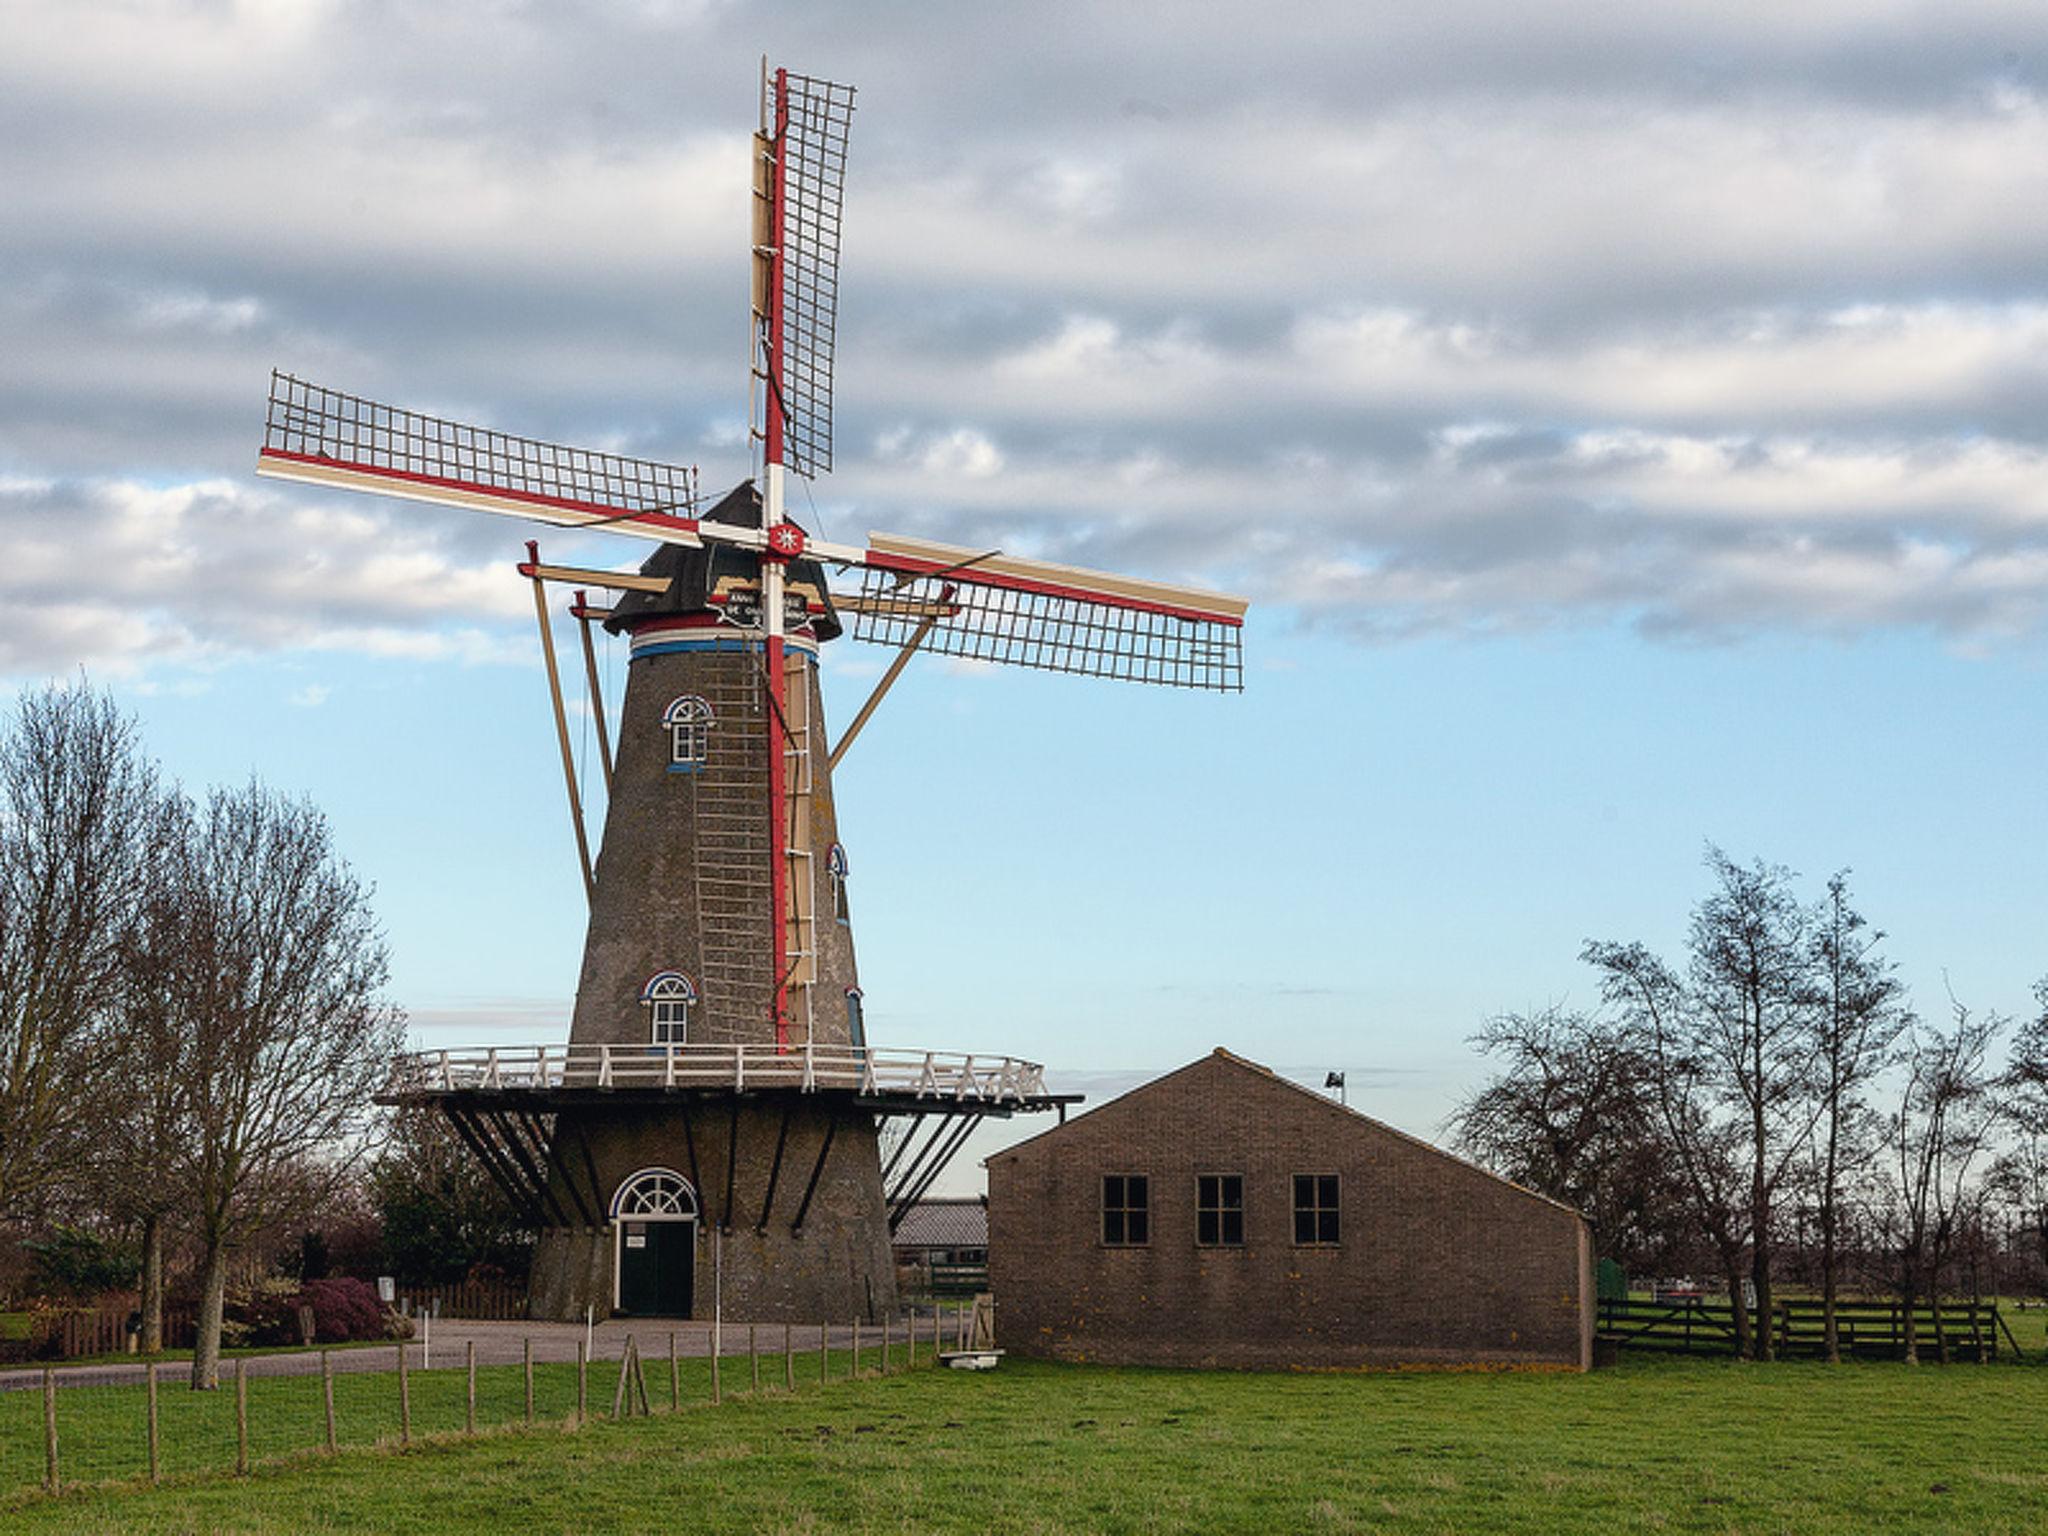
(693, 574)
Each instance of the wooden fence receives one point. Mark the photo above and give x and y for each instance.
(96, 1431)
(73, 1333)
(958, 1279)
(489, 1301)
(1869, 1330)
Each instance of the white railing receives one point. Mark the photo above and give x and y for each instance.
(935, 1075)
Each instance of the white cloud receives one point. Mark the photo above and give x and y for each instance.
(1417, 319)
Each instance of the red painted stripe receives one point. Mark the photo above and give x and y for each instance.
(664, 520)
(771, 447)
(778, 869)
(973, 577)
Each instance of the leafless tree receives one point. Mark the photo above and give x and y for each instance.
(1569, 1112)
(274, 981)
(1859, 1014)
(1752, 996)
(1943, 1126)
(77, 807)
(1702, 1141)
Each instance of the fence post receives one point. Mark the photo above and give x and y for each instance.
(241, 1418)
(754, 1357)
(49, 1429)
(824, 1352)
(404, 1400)
(717, 1394)
(856, 1351)
(885, 1343)
(150, 1381)
(526, 1362)
(469, 1408)
(327, 1394)
(789, 1357)
(675, 1376)
(582, 1380)
(621, 1403)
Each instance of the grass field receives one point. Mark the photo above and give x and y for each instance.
(1657, 1446)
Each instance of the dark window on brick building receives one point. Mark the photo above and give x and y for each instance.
(1126, 1210)
(1219, 1210)
(1315, 1208)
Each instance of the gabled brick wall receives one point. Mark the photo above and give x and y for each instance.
(1440, 1262)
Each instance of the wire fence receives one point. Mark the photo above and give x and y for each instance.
(118, 1424)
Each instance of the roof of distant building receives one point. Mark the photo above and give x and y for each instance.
(943, 1224)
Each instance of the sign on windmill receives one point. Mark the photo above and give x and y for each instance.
(718, 1068)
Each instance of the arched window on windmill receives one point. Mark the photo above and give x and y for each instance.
(856, 1021)
(835, 872)
(667, 998)
(689, 721)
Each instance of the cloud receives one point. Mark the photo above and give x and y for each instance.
(1415, 321)
(119, 575)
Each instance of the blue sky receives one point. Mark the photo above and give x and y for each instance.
(1624, 446)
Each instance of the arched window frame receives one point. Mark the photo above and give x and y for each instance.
(856, 1019)
(654, 1194)
(689, 719)
(667, 998)
(835, 875)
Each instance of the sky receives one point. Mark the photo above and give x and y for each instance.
(1627, 422)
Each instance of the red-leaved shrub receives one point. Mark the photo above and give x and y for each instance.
(345, 1310)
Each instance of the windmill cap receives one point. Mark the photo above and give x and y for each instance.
(694, 574)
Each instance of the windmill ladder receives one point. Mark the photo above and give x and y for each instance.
(730, 842)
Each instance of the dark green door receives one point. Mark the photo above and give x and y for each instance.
(657, 1266)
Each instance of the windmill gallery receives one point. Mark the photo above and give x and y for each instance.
(718, 1091)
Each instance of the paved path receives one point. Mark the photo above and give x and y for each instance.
(496, 1344)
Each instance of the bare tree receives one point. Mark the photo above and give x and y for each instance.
(275, 983)
(1703, 1143)
(1569, 1113)
(1752, 999)
(77, 806)
(1859, 1015)
(1943, 1125)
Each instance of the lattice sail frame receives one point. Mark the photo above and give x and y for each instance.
(1080, 634)
(323, 435)
(813, 118)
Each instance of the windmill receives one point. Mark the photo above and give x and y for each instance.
(718, 1077)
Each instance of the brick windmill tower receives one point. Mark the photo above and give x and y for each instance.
(715, 1115)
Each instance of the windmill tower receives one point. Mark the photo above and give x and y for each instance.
(718, 1100)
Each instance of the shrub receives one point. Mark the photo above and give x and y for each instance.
(345, 1310)
(74, 1262)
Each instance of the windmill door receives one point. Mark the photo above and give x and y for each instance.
(657, 1267)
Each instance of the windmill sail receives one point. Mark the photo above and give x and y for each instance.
(1057, 618)
(325, 437)
(803, 170)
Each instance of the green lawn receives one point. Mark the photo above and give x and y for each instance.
(1657, 1446)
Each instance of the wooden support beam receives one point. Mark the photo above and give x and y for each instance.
(938, 1166)
(501, 1174)
(547, 651)
(604, 734)
(874, 701)
(817, 1168)
(690, 1143)
(616, 581)
(775, 1167)
(498, 1123)
(590, 1166)
(549, 1157)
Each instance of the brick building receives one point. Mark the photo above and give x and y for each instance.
(1223, 1216)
